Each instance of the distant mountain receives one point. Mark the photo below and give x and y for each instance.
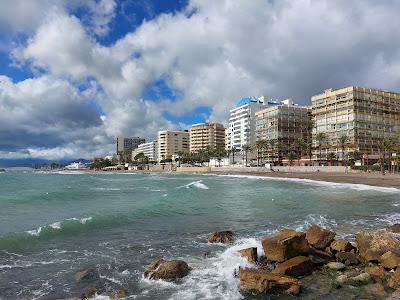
(30, 162)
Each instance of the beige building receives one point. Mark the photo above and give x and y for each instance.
(282, 126)
(206, 135)
(364, 115)
(170, 143)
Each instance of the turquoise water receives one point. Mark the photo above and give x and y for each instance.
(55, 224)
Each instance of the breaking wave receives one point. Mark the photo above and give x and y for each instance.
(197, 184)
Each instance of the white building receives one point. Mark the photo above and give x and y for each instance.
(149, 149)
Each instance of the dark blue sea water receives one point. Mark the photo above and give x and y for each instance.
(55, 224)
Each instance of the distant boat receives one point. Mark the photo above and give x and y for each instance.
(76, 166)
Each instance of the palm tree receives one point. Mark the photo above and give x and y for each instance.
(331, 156)
(320, 137)
(272, 144)
(260, 145)
(385, 145)
(300, 145)
(343, 140)
(246, 150)
(233, 150)
(291, 158)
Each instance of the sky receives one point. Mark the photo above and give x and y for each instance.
(75, 74)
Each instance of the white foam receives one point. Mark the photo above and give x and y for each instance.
(35, 232)
(56, 225)
(355, 186)
(198, 184)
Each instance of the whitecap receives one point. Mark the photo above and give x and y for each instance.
(56, 225)
(198, 184)
(35, 232)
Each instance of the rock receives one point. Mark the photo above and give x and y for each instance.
(341, 246)
(395, 228)
(347, 258)
(376, 289)
(362, 279)
(394, 296)
(375, 271)
(319, 237)
(326, 256)
(394, 280)
(224, 237)
(89, 293)
(265, 282)
(390, 260)
(166, 270)
(116, 294)
(295, 267)
(372, 244)
(266, 264)
(342, 279)
(286, 244)
(317, 261)
(250, 254)
(86, 275)
(336, 266)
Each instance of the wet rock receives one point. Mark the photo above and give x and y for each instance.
(295, 267)
(89, 293)
(249, 253)
(373, 244)
(264, 282)
(326, 256)
(336, 266)
(116, 294)
(86, 275)
(395, 228)
(347, 258)
(375, 271)
(394, 280)
(390, 260)
(341, 246)
(224, 237)
(362, 279)
(286, 244)
(317, 261)
(166, 270)
(376, 289)
(266, 264)
(319, 237)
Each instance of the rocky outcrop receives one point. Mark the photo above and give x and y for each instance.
(166, 270)
(86, 275)
(319, 237)
(249, 253)
(116, 294)
(264, 282)
(295, 267)
(286, 244)
(341, 246)
(375, 271)
(224, 237)
(373, 244)
(347, 258)
(390, 260)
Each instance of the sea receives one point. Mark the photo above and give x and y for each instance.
(54, 224)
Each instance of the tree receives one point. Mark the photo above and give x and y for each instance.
(300, 145)
(100, 163)
(385, 145)
(260, 145)
(233, 151)
(246, 150)
(320, 137)
(343, 141)
(291, 158)
(220, 153)
(331, 156)
(272, 144)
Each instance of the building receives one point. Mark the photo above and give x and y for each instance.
(364, 115)
(283, 126)
(206, 135)
(227, 138)
(127, 144)
(171, 143)
(149, 149)
(241, 129)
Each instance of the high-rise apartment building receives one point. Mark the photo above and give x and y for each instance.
(149, 149)
(364, 115)
(283, 126)
(206, 135)
(171, 143)
(242, 122)
(127, 144)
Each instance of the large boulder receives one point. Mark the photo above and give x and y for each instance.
(286, 244)
(249, 253)
(347, 258)
(376, 271)
(373, 244)
(295, 267)
(341, 246)
(166, 270)
(86, 275)
(319, 237)
(390, 260)
(264, 282)
(224, 237)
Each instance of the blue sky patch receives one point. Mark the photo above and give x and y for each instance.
(159, 90)
(198, 115)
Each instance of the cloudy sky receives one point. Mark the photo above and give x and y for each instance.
(74, 74)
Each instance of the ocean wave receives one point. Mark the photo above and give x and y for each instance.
(354, 186)
(198, 184)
